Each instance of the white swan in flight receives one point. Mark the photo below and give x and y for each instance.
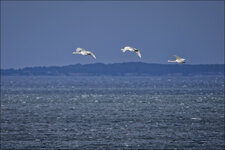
(84, 52)
(178, 59)
(128, 48)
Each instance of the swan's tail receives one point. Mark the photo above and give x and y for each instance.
(123, 50)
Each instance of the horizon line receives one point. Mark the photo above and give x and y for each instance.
(19, 68)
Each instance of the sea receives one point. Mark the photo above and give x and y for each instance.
(112, 112)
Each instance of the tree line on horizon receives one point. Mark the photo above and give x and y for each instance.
(117, 69)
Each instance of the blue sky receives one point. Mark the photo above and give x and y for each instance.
(45, 33)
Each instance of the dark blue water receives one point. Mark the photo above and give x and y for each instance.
(112, 112)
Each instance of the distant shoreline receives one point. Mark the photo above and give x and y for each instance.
(120, 69)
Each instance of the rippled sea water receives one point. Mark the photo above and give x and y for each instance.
(112, 112)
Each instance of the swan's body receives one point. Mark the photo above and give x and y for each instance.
(84, 52)
(178, 59)
(128, 48)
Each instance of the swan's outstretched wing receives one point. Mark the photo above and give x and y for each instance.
(93, 55)
(79, 49)
(139, 54)
(130, 48)
(127, 48)
(177, 57)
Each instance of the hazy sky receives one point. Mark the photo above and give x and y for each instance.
(45, 33)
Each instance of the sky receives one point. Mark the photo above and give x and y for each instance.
(45, 33)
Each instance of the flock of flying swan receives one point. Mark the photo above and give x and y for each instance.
(82, 51)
